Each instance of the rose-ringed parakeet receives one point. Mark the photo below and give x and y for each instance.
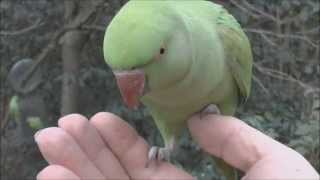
(177, 57)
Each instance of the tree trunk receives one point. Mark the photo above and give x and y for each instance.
(71, 54)
(72, 44)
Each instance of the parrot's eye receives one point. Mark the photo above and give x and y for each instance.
(162, 50)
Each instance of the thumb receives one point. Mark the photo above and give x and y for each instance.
(232, 140)
(248, 149)
(212, 132)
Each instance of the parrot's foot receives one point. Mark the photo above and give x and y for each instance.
(160, 153)
(209, 109)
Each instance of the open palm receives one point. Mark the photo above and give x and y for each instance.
(105, 147)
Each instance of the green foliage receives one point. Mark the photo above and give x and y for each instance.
(306, 140)
(35, 123)
(14, 108)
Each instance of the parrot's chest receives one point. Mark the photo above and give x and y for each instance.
(175, 107)
(180, 104)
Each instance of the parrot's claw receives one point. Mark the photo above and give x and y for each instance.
(159, 154)
(152, 155)
(209, 109)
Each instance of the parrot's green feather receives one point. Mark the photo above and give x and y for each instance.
(207, 58)
(237, 51)
(134, 35)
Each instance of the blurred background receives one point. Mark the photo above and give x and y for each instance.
(52, 65)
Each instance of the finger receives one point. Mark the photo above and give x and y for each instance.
(234, 141)
(60, 148)
(56, 172)
(92, 144)
(123, 140)
(132, 150)
(293, 166)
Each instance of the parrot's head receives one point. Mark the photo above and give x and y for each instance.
(146, 49)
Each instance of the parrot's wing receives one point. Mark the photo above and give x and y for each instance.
(237, 52)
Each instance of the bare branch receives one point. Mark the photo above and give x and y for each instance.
(244, 9)
(4, 111)
(77, 23)
(257, 80)
(284, 76)
(43, 54)
(251, 10)
(314, 30)
(268, 40)
(248, 8)
(279, 35)
(263, 13)
(36, 25)
(290, 19)
(94, 27)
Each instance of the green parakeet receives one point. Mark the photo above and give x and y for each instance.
(178, 57)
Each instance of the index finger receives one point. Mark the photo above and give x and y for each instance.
(132, 150)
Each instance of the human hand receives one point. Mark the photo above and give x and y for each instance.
(107, 147)
(249, 150)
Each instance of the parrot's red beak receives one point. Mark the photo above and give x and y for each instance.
(131, 85)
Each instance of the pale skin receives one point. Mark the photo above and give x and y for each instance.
(106, 147)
